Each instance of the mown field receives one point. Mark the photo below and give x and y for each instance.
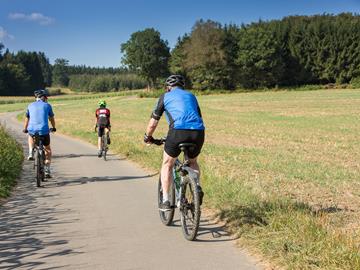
(282, 168)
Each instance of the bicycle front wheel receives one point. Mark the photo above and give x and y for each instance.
(189, 208)
(166, 217)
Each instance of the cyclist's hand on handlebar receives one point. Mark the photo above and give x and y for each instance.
(148, 139)
(159, 141)
(52, 129)
(25, 130)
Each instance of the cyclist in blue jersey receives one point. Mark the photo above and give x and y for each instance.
(37, 116)
(185, 125)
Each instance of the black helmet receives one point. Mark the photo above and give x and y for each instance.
(40, 93)
(175, 80)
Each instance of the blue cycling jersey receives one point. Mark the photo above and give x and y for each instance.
(181, 108)
(38, 113)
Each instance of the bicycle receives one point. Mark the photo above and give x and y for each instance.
(39, 158)
(185, 193)
(104, 142)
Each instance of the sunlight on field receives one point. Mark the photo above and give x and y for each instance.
(274, 163)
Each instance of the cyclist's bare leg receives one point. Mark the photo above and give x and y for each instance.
(47, 154)
(107, 132)
(99, 143)
(30, 143)
(166, 172)
(195, 166)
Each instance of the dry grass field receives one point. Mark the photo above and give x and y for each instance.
(282, 168)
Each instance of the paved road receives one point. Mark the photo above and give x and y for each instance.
(100, 215)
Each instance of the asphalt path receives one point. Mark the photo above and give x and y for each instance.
(100, 215)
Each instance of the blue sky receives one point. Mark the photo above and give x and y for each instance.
(90, 32)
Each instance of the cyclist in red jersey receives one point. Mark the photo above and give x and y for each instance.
(102, 123)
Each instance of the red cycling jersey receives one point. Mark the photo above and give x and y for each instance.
(103, 117)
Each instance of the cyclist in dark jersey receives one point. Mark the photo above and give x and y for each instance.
(102, 123)
(185, 125)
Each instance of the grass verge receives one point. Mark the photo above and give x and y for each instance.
(11, 158)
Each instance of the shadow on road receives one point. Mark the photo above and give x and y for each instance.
(110, 157)
(68, 181)
(25, 221)
(209, 231)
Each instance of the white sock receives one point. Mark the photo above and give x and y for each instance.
(165, 197)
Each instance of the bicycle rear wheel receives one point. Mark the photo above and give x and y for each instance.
(166, 217)
(189, 208)
(38, 168)
(104, 145)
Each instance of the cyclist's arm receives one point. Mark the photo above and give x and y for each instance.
(155, 116)
(26, 123)
(96, 117)
(151, 127)
(51, 116)
(27, 118)
(52, 121)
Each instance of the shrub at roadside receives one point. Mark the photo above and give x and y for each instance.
(11, 158)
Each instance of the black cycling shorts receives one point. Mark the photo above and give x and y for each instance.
(177, 136)
(45, 139)
(101, 130)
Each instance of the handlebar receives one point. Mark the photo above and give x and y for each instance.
(159, 141)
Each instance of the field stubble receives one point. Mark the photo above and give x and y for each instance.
(280, 167)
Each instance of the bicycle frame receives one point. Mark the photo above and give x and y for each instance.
(183, 169)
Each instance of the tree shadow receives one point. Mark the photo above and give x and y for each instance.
(26, 235)
(111, 156)
(257, 214)
(68, 181)
(26, 238)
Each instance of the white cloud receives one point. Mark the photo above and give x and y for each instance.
(5, 35)
(34, 17)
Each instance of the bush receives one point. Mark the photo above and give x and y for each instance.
(11, 157)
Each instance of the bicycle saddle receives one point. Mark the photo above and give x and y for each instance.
(185, 146)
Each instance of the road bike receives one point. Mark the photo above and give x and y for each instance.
(105, 138)
(185, 194)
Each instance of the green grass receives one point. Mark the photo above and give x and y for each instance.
(11, 158)
(280, 167)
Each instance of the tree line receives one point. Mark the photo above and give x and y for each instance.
(293, 51)
(23, 72)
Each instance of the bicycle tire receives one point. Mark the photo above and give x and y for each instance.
(104, 145)
(190, 211)
(168, 216)
(38, 168)
(42, 165)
